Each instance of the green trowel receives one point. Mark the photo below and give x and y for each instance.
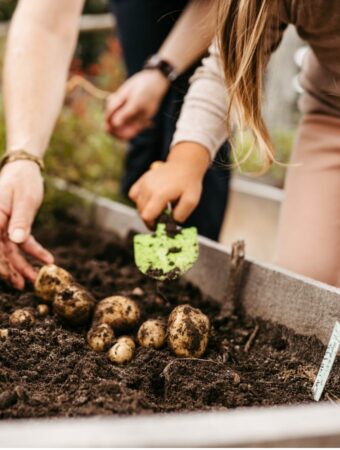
(167, 253)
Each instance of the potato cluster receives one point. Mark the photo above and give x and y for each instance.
(187, 330)
(70, 301)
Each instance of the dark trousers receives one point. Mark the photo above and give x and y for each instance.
(143, 25)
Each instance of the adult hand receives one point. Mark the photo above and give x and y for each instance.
(21, 193)
(178, 180)
(131, 108)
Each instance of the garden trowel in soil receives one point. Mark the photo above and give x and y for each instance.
(169, 252)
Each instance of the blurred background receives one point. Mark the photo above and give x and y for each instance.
(82, 153)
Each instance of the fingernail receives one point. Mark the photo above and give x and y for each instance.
(18, 236)
(48, 258)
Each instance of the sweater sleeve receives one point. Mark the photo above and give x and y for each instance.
(203, 115)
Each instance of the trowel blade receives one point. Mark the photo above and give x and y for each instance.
(165, 257)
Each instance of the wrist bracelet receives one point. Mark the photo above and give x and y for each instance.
(18, 155)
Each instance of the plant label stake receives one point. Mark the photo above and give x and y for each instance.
(327, 363)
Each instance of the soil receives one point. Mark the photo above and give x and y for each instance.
(49, 370)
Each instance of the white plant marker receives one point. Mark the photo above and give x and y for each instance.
(327, 363)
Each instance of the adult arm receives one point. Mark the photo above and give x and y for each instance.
(132, 107)
(40, 44)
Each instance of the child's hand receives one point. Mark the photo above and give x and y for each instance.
(178, 180)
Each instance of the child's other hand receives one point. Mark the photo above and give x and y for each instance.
(179, 180)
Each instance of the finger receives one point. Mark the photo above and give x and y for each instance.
(114, 102)
(3, 220)
(135, 190)
(186, 205)
(128, 112)
(8, 272)
(5, 207)
(33, 248)
(130, 130)
(19, 262)
(16, 280)
(23, 212)
(153, 209)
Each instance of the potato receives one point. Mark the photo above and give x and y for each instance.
(43, 310)
(188, 331)
(117, 311)
(138, 292)
(50, 280)
(123, 350)
(127, 340)
(152, 333)
(22, 318)
(100, 337)
(3, 334)
(73, 304)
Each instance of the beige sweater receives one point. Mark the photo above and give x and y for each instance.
(202, 118)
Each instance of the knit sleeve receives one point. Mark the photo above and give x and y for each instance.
(203, 115)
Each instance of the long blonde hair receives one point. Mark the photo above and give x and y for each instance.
(244, 46)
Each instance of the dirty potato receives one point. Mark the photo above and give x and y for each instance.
(50, 280)
(3, 334)
(152, 333)
(123, 350)
(73, 304)
(188, 331)
(117, 311)
(42, 310)
(22, 318)
(100, 337)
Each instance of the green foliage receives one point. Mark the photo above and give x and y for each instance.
(251, 162)
(82, 153)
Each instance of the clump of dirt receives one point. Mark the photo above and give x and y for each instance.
(48, 369)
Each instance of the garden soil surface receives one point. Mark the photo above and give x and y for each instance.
(49, 370)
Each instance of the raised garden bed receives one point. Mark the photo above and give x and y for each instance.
(48, 370)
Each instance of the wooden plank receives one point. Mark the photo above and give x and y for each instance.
(97, 22)
(246, 427)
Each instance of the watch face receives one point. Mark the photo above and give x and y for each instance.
(167, 69)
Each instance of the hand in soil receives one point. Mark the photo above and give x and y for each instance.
(18, 205)
(14, 268)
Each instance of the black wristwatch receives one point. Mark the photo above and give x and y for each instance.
(157, 63)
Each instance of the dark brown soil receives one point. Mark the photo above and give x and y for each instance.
(49, 370)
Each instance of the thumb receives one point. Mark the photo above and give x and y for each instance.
(23, 213)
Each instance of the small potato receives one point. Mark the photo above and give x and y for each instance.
(100, 337)
(73, 304)
(3, 334)
(42, 310)
(152, 333)
(127, 340)
(21, 318)
(188, 331)
(123, 350)
(117, 311)
(138, 292)
(50, 280)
